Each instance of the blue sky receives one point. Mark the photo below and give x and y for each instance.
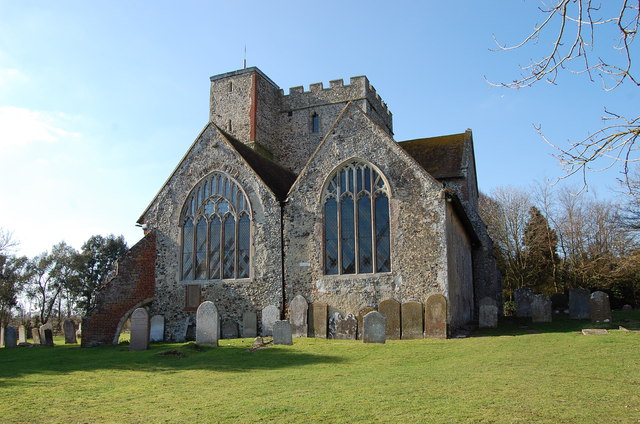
(100, 100)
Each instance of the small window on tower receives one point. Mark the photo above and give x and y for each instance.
(315, 123)
(230, 127)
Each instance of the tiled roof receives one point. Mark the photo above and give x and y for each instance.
(277, 178)
(441, 157)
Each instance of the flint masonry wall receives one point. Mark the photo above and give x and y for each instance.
(417, 219)
(211, 153)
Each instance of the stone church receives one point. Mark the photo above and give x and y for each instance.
(305, 193)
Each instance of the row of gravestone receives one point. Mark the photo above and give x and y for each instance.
(43, 335)
(409, 320)
(207, 326)
(582, 305)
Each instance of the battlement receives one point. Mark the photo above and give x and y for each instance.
(359, 88)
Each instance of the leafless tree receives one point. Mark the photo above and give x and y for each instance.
(6, 242)
(581, 42)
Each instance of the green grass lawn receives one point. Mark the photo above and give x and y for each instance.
(519, 373)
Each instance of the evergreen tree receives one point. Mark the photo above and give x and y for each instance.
(541, 243)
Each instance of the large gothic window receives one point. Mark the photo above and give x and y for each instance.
(356, 221)
(216, 231)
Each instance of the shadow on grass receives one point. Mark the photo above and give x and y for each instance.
(233, 356)
(513, 326)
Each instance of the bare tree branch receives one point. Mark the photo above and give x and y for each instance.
(579, 26)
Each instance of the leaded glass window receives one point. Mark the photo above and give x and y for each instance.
(356, 221)
(216, 231)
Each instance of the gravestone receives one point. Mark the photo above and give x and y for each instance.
(600, 308)
(156, 334)
(318, 319)
(375, 328)
(435, 317)
(523, 297)
(229, 329)
(282, 333)
(298, 312)
(48, 337)
(69, 328)
(79, 331)
(332, 324)
(364, 311)
(541, 308)
(1, 336)
(270, 315)
(579, 304)
(390, 308)
(627, 307)
(488, 313)
(249, 325)
(207, 324)
(10, 338)
(44, 327)
(411, 319)
(346, 328)
(22, 334)
(35, 334)
(139, 330)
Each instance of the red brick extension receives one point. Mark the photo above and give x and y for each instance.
(132, 286)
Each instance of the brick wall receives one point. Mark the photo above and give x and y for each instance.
(132, 286)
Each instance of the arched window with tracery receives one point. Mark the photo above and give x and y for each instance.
(356, 221)
(216, 230)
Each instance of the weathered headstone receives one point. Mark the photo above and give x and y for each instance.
(435, 314)
(79, 331)
(10, 337)
(411, 318)
(156, 334)
(346, 328)
(139, 330)
(600, 308)
(318, 319)
(229, 329)
(44, 327)
(48, 337)
(207, 324)
(488, 313)
(69, 328)
(22, 334)
(627, 307)
(559, 302)
(390, 308)
(375, 328)
(1, 336)
(364, 311)
(282, 333)
(579, 304)
(270, 315)
(523, 297)
(333, 319)
(541, 308)
(298, 313)
(35, 334)
(249, 325)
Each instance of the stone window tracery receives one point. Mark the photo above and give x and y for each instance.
(356, 221)
(216, 231)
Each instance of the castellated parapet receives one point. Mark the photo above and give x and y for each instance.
(287, 127)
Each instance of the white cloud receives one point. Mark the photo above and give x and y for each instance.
(11, 76)
(20, 127)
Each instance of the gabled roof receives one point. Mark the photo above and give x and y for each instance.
(277, 178)
(442, 157)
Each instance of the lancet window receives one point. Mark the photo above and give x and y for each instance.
(216, 230)
(356, 221)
